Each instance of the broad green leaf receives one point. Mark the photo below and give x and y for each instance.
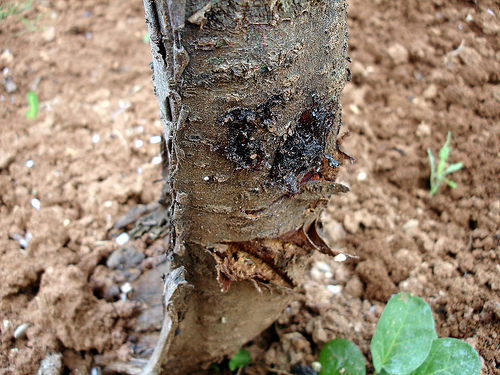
(341, 357)
(240, 359)
(450, 357)
(403, 336)
(453, 168)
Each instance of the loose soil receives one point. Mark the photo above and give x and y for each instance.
(420, 69)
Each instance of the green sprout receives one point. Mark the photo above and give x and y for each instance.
(438, 175)
(12, 7)
(240, 360)
(32, 112)
(20, 9)
(404, 343)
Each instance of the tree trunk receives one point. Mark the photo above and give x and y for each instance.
(249, 95)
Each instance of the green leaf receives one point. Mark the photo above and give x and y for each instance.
(32, 112)
(453, 168)
(432, 162)
(445, 150)
(240, 359)
(403, 336)
(450, 183)
(341, 357)
(450, 357)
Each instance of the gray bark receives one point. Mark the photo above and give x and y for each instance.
(249, 95)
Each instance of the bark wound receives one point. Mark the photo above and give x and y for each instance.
(246, 134)
(304, 162)
(302, 154)
(293, 158)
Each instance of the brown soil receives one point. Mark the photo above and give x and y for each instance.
(419, 70)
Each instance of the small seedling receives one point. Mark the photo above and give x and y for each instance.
(19, 9)
(438, 175)
(405, 343)
(13, 7)
(32, 112)
(240, 360)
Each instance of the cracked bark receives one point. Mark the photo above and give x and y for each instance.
(249, 95)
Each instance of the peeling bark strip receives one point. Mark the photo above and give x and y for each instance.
(249, 95)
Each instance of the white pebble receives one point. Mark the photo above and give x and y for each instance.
(156, 160)
(5, 324)
(29, 163)
(96, 138)
(20, 331)
(139, 129)
(206, 178)
(155, 139)
(138, 143)
(490, 12)
(316, 366)
(361, 176)
(126, 288)
(122, 239)
(323, 266)
(340, 258)
(35, 203)
(139, 170)
(335, 289)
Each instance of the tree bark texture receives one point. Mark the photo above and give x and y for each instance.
(249, 94)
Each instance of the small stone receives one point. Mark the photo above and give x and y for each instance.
(410, 225)
(334, 289)
(423, 130)
(20, 331)
(430, 92)
(6, 57)
(127, 257)
(51, 365)
(35, 203)
(398, 54)
(9, 85)
(339, 258)
(122, 239)
(354, 287)
(49, 34)
(155, 139)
